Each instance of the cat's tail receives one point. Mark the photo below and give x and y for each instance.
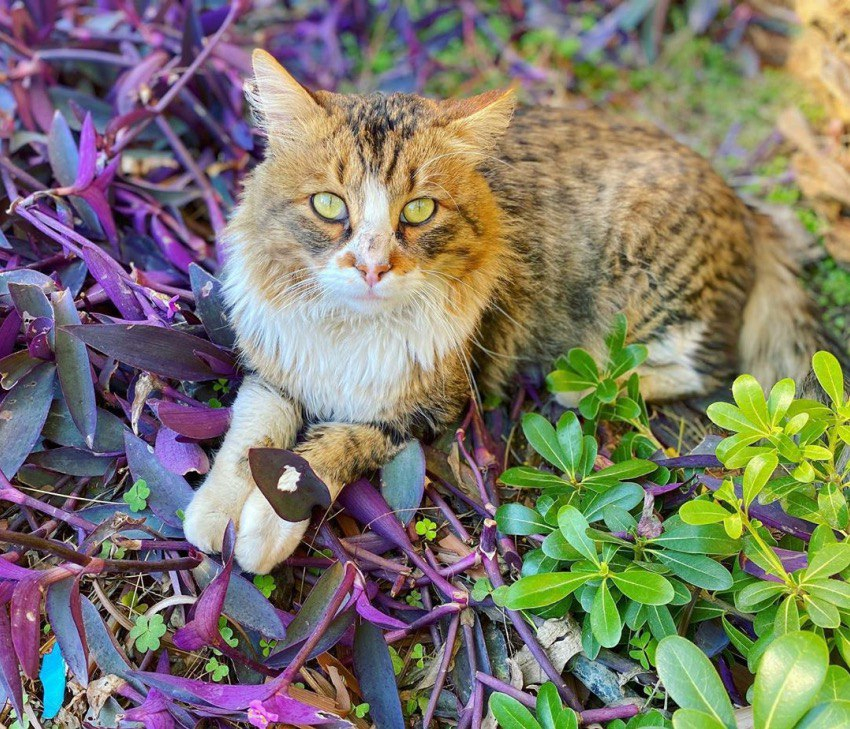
(782, 326)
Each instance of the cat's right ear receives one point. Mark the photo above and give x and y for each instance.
(284, 108)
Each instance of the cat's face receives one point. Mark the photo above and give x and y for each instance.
(366, 203)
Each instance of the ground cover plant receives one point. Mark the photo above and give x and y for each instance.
(596, 553)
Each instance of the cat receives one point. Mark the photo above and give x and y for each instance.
(391, 248)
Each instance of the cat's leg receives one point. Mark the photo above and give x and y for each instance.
(261, 418)
(338, 453)
(676, 367)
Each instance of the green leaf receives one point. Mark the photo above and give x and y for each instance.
(836, 592)
(738, 638)
(787, 617)
(607, 391)
(510, 714)
(605, 619)
(698, 539)
(693, 719)
(581, 361)
(630, 358)
(827, 716)
(623, 471)
(566, 381)
(625, 495)
(517, 519)
(540, 433)
(691, 680)
(780, 399)
(822, 613)
(833, 505)
(660, 621)
(548, 705)
(727, 416)
(836, 685)
(588, 455)
(524, 477)
(696, 569)
(703, 511)
(556, 547)
(757, 474)
(544, 589)
(647, 588)
(790, 674)
(829, 560)
(750, 398)
(571, 439)
(756, 593)
(828, 371)
(574, 528)
(616, 338)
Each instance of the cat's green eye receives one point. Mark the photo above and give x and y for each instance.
(329, 206)
(418, 211)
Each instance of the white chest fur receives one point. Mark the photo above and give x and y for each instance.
(352, 368)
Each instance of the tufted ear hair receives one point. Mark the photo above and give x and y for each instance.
(480, 120)
(283, 107)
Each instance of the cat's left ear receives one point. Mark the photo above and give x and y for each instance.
(480, 120)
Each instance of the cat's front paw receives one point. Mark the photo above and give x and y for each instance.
(264, 540)
(208, 513)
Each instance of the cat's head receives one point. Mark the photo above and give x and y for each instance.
(365, 204)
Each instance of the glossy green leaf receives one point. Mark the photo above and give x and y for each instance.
(623, 471)
(544, 589)
(756, 593)
(829, 715)
(757, 474)
(790, 675)
(703, 511)
(836, 592)
(549, 706)
(516, 519)
(531, 478)
(836, 685)
(571, 439)
(698, 539)
(693, 719)
(727, 416)
(780, 399)
(832, 504)
(691, 680)
(829, 560)
(510, 714)
(787, 617)
(822, 613)
(542, 437)
(750, 398)
(648, 588)
(828, 371)
(574, 528)
(605, 618)
(696, 569)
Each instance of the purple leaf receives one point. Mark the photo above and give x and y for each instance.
(367, 611)
(374, 669)
(202, 629)
(288, 483)
(10, 673)
(164, 352)
(16, 366)
(30, 301)
(403, 481)
(24, 611)
(210, 307)
(72, 366)
(191, 422)
(23, 276)
(180, 456)
(173, 250)
(72, 462)
(22, 415)
(88, 154)
(59, 428)
(243, 601)
(9, 333)
(152, 713)
(65, 616)
(62, 151)
(112, 278)
(169, 492)
(367, 506)
(103, 647)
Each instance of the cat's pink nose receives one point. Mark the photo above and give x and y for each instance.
(373, 272)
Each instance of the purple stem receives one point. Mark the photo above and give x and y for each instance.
(448, 650)
(10, 493)
(340, 595)
(609, 713)
(505, 688)
(449, 515)
(524, 630)
(439, 612)
(728, 681)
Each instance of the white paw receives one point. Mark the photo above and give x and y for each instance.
(264, 540)
(208, 513)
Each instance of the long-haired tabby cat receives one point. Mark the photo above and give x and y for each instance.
(389, 248)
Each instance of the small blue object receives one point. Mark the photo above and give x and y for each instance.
(52, 675)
